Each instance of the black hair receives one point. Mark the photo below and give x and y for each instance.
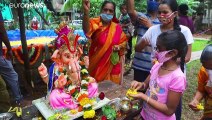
(206, 54)
(174, 39)
(122, 6)
(174, 7)
(111, 2)
(183, 9)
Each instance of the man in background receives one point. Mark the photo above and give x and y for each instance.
(7, 71)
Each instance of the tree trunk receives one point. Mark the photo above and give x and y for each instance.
(24, 48)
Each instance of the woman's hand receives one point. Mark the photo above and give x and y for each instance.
(138, 85)
(42, 70)
(116, 48)
(86, 6)
(145, 22)
(193, 105)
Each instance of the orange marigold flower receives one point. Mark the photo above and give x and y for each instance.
(80, 108)
(82, 96)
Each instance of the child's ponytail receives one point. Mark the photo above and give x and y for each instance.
(176, 25)
(182, 58)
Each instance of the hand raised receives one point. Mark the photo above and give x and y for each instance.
(145, 22)
(86, 5)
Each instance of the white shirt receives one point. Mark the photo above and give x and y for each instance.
(153, 32)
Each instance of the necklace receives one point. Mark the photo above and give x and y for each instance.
(162, 67)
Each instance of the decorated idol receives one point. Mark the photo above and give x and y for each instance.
(69, 84)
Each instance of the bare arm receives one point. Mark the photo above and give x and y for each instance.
(172, 102)
(131, 10)
(188, 54)
(199, 95)
(85, 21)
(3, 36)
(142, 43)
(169, 108)
(140, 85)
(146, 82)
(197, 98)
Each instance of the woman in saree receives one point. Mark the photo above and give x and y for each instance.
(108, 43)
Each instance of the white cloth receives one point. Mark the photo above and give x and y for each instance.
(153, 32)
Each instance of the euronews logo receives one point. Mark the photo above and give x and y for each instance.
(26, 5)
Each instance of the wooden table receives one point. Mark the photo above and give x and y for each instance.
(111, 91)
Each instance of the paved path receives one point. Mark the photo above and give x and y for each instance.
(199, 38)
(195, 55)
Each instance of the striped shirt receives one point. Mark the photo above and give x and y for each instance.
(142, 60)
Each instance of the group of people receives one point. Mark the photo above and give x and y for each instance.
(162, 50)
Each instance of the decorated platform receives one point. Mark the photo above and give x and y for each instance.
(43, 106)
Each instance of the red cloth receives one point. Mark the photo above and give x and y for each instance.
(34, 25)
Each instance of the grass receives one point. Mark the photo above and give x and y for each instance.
(199, 44)
(196, 46)
(191, 73)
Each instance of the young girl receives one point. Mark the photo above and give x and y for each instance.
(166, 82)
(204, 89)
(167, 14)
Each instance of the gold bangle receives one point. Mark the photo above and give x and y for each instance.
(147, 101)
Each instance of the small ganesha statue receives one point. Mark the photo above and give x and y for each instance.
(68, 83)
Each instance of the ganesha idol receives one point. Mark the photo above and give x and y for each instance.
(66, 84)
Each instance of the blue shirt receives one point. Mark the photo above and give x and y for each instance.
(142, 60)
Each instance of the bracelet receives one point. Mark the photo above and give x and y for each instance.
(147, 101)
(44, 76)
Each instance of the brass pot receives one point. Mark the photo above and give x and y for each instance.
(125, 105)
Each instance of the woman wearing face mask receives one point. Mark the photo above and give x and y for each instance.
(167, 14)
(204, 89)
(108, 43)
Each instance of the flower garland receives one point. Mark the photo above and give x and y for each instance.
(34, 53)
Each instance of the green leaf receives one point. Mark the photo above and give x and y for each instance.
(67, 6)
(114, 58)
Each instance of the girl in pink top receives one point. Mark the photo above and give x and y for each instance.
(166, 82)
